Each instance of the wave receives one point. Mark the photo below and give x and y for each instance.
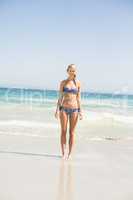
(108, 103)
(53, 99)
(25, 123)
(27, 134)
(94, 116)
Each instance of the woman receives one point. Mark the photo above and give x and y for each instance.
(69, 107)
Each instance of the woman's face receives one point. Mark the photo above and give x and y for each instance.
(71, 71)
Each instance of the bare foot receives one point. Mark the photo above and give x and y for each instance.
(69, 156)
(64, 155)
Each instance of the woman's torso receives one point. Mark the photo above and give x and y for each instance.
(70, 98)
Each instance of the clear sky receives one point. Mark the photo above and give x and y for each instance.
(39, 39)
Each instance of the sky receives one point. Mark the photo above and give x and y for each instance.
(39, 39)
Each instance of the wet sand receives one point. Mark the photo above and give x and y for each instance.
(32, 168)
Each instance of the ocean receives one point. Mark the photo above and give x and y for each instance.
(30, 112)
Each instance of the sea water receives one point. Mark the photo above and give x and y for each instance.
(30, 112)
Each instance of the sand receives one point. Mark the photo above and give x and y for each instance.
(32, 168)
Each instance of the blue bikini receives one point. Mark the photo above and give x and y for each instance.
(75, 91)
(70, 110)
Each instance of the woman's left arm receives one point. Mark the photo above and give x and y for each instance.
(79, 96)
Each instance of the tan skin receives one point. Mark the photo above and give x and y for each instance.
(69, 100)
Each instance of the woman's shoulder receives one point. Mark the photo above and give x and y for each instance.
(62, 81)
(78, 82)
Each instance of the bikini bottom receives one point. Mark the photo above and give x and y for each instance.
(69, 110)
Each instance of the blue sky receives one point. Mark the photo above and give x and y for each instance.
(39, 39)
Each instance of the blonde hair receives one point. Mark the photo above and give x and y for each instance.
(66, 81)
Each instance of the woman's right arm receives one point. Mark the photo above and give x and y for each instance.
(60, 95)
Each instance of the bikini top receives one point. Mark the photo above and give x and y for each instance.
(72, 90)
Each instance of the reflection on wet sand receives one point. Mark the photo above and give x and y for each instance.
(65, 190)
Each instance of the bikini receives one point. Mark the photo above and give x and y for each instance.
(69, 110)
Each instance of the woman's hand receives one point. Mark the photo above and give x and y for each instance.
(80, 115)
(56, 114)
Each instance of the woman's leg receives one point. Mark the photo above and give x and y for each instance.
(63, 122)
(72, 124)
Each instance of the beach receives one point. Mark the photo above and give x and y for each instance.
(79, 55)
(31, 166)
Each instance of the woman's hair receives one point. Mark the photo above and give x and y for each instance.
(71, 66)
